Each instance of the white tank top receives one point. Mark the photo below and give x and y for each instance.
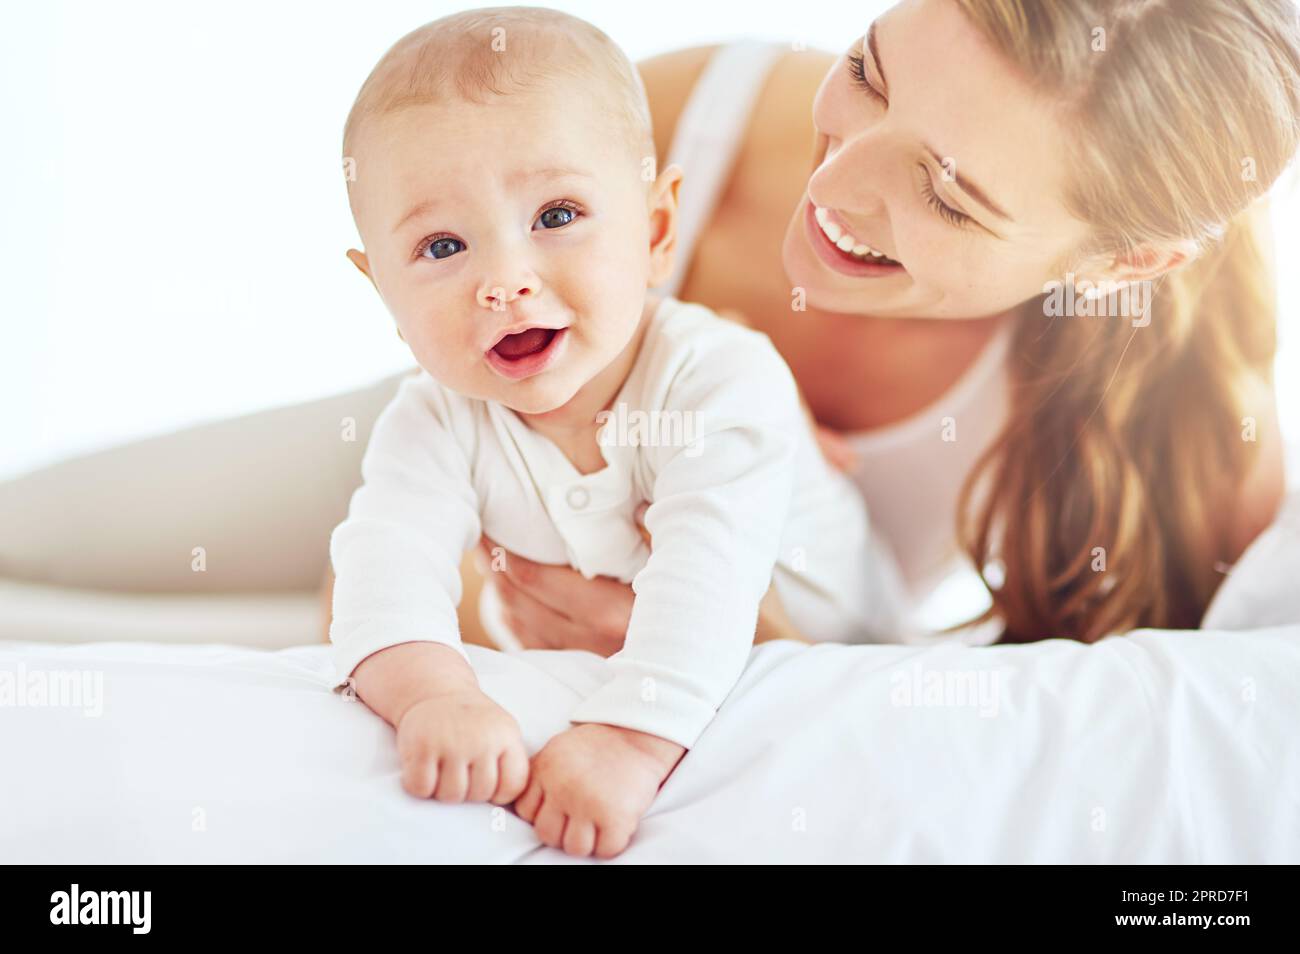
(909, 472)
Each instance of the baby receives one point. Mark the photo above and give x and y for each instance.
(504, 187)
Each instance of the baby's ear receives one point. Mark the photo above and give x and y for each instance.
(667, 185)
(663, 223)
(362, 263)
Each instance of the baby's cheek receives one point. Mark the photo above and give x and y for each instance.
(616, 260)
(448, 359)
(469, 375)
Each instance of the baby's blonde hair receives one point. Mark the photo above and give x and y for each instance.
(477, 55)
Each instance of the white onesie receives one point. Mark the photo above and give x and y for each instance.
(708, 430)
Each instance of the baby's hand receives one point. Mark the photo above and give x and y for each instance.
(591, 784)
(461, 746)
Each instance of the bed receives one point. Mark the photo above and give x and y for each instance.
(1161, 746)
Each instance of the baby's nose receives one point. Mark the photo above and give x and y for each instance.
(497, 297)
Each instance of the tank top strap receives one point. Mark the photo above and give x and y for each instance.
(708, 137)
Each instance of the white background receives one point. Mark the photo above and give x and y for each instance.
(174, 221)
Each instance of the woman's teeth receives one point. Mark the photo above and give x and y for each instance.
(846, 242)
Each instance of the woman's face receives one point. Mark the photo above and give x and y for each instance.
(934, 153)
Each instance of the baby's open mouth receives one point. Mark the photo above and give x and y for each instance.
(527, 352)
(517, 346)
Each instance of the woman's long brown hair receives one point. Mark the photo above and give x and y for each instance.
(1101, 508)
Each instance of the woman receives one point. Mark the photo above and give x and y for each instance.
(1110, 452)
(990, 148)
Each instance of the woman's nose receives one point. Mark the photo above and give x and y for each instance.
(852, 174)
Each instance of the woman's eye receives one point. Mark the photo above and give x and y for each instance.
(556, 217)
(946, 212)
(858, 72)
(443, 248)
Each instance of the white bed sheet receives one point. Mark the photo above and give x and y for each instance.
(1156, 747)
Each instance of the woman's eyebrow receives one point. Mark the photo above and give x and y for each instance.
(966, 185)
(970, 188)
(875, 56)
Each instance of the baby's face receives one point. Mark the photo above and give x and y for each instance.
(513, 243)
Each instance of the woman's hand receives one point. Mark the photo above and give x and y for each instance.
(838, 452)
(556, 607)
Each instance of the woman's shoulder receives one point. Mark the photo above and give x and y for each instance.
(669, 78)
(775, 156)
(781, 122)
(769, 173)
(782, 114)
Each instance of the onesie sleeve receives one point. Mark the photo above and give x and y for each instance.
(396, 556)
(719, 507)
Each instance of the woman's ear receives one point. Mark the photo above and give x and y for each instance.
(663, 223)
(1150, 260)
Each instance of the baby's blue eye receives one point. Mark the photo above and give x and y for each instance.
(444, 247)
(555, 217)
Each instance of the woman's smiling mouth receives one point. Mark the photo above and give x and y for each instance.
(840, 250)
(845, 241)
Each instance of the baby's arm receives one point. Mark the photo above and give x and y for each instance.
(454, 743)
(397, 559)
(717, 517)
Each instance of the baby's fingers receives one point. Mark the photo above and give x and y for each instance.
(611, 839)
(482, 779)
(550, 824)
(579, 837)
(453, 781)
(420, 776)
(512, 775)
(530, 801)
